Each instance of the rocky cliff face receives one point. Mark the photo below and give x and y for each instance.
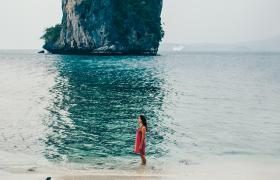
(107, 27)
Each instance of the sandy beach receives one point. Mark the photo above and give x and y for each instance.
(214, 169)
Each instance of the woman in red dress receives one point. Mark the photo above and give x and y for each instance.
(140, 140)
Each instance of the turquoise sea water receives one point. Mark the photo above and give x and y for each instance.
(83, 110)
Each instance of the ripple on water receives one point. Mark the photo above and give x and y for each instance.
(83, 109)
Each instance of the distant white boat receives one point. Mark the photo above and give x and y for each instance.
(178, 48)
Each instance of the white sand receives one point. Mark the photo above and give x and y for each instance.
(215, 169)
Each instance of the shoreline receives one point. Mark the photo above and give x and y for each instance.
(79, 175)
(222, 168)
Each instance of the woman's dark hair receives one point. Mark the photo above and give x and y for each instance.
(144, 121)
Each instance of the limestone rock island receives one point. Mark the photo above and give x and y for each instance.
(106, 27)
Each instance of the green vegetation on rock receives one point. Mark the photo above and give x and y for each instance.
(52, 34)
(141, 12)
(106, 26)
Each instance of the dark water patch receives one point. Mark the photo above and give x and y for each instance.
(95, 107)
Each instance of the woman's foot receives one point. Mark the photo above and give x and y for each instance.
(143, 161)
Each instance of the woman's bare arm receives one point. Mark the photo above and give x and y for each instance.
(143, 130)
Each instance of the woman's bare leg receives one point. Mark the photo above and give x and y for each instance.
(143, 158)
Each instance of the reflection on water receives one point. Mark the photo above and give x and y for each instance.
(96, 101)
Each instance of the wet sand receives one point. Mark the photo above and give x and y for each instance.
(216, 169)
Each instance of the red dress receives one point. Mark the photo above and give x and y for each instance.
(138, 142)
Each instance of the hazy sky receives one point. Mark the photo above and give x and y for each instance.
(186, 21)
